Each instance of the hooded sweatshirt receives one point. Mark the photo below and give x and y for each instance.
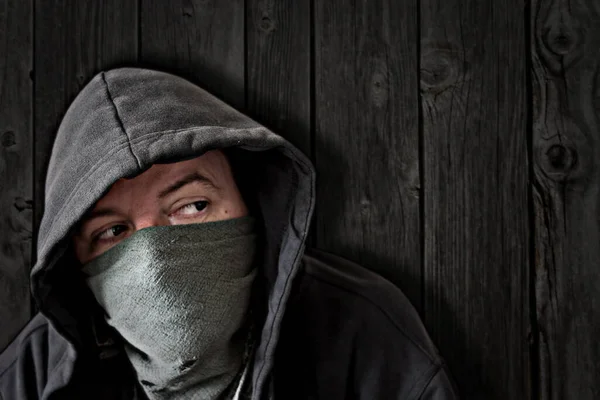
(330, 329)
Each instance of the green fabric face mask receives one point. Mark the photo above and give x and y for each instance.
(179, 296)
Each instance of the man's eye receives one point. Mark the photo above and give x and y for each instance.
(111, 233)
(193, 208)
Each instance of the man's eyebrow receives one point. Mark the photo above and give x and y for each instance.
(90, 215)
(187, 179)
(99, 212)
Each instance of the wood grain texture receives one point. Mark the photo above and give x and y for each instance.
(475, 170)
(278, 69)
(16, 171)
(566, 150)
(200, 40)
(366, 136)
(73, 42)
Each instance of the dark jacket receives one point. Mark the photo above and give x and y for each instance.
(330, 329)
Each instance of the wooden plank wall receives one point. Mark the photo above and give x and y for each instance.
(456, 144)
(565, 37)
(475, 204)
(16, 165)
(367, 138)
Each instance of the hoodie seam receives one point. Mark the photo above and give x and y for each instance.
(295, 263)
(143, 136)
(119, 120)
(148, 136)
(22, 343)
(58, 366)
(433, 373)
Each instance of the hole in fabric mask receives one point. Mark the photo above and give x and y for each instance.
(143, 356)
(187, 365)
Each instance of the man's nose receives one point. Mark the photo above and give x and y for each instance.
(146, 221)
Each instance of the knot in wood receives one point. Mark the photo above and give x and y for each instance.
(559, 161)
(8, 139)
(379, 85)
(81, 79)
(558, 156)
(439, 68)
(188, 11)
(561, 39)
(365, 206)
(266, 24)
(22, 204)
(558, 42)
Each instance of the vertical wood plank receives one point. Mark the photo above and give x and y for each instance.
(475, 171)
(366, 138)
(16, 172)
(278, 69)
(201, 40)
(566, 149)
(73, 41)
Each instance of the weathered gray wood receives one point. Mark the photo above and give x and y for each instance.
(278, 69)
(73, 41)
(566, 153)
(16, 171)
(366, 142)
(201, 40)
(475, 171)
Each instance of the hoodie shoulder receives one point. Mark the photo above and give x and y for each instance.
(31, 333)
(373, 292)
(31, 362)
(355, 335)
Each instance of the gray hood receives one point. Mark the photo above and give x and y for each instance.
(122, 122)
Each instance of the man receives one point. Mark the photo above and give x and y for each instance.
(172, 265)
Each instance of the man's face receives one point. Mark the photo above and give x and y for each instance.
(186, 192)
